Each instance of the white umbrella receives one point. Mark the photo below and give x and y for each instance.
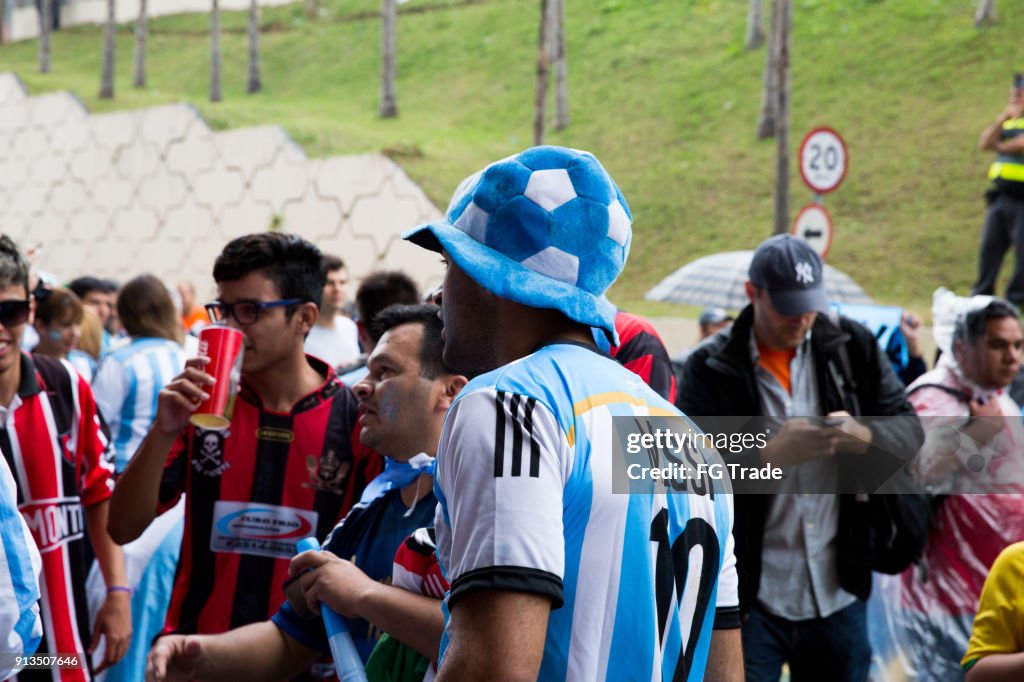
(717, 280)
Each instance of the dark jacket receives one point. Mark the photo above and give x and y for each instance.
(719, 381)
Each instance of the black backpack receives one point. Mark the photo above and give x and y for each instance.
(899, 522)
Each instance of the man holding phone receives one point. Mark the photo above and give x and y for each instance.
(1004, 219)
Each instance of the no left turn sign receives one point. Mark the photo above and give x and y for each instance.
(814, 225)
(823, 160)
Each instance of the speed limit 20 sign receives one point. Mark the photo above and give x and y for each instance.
(823, 160)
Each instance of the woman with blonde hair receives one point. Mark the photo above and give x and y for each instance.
(85, 357)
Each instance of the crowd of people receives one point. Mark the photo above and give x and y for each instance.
(459, 455)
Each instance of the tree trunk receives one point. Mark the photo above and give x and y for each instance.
(986, 13)
(215, 94)
(782, 31)
(254, 84)
(561, 68)
(755, 25)
(312, 8)
(45, 24)
(109, 44)
(769, 96)
(542, 74)
(388, 58)
(141, 33)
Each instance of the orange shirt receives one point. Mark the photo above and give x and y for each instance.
(776, 361)
(198, 315)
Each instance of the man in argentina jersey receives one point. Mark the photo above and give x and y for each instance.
(56, 445)
(552, 575)
(20, 625)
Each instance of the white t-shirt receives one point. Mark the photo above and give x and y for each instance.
(336, 346)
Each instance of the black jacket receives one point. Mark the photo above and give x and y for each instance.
(719, 381)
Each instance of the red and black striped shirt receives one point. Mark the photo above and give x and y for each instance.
(252, 492)
(642, 352)
(57, 447)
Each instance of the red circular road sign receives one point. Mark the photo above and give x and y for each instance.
(823, 160)
(814, 225)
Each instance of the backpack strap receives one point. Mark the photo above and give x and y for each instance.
(845, 380)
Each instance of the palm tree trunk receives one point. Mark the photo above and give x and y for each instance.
(109, 44)
(388, 58)
(141, 33)
(215, 94)
(255, 84)
(755, 25)
(45, 23)
(543, 61)
(561, 67)
(769, 97)
(782, 31)
(986, 13)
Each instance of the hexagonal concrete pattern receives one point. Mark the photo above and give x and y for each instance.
(155, 190)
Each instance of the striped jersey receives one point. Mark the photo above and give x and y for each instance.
(57, 447)
(252, 492)
(20, 625)
(524, 485)
(641, 351)
(127, 383)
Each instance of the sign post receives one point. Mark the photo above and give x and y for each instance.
(823, 164)
(814, 225)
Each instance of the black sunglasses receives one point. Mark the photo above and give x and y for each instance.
(13, 313)
(245, 312)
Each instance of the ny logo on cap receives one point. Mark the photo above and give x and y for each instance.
(804, 273)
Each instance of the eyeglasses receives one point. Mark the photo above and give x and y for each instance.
(245, 312)
(13, 313)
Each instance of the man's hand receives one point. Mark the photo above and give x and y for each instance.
(174, 658)
(799, 441)
(180, 398)
(910, 325)
(114, 624)
(331, 580)
(854, 438)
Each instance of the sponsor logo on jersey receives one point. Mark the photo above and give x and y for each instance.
(277, 435)
(260, 529)
(326, 473)
(54, 522)
(208, 455)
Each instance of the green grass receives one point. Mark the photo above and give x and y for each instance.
(661, 90)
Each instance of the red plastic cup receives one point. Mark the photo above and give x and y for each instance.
(223, 345)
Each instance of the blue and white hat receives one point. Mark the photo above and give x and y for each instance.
(547, 228)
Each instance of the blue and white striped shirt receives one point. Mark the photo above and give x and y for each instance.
(524, 485)
(127, 383)
(21, 628)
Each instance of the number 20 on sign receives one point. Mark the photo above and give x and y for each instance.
(823, 160)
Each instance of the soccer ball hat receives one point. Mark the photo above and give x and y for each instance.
(547, 228)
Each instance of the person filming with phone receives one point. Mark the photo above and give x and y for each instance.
(1004, 219)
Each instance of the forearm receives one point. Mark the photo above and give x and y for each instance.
(997, 668)
(413, 619)
(108, 553)
(137, 492)
(725, 658)
(1012, 146)
(259, 651)
(990, 136)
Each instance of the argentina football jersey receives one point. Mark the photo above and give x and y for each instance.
(636, 580)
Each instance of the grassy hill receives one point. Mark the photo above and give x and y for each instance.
(661, 90)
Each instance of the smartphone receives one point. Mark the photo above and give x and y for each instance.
(1018, 81)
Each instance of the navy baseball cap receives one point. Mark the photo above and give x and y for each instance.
(792, 274)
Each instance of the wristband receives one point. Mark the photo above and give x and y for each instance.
(119, 588)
